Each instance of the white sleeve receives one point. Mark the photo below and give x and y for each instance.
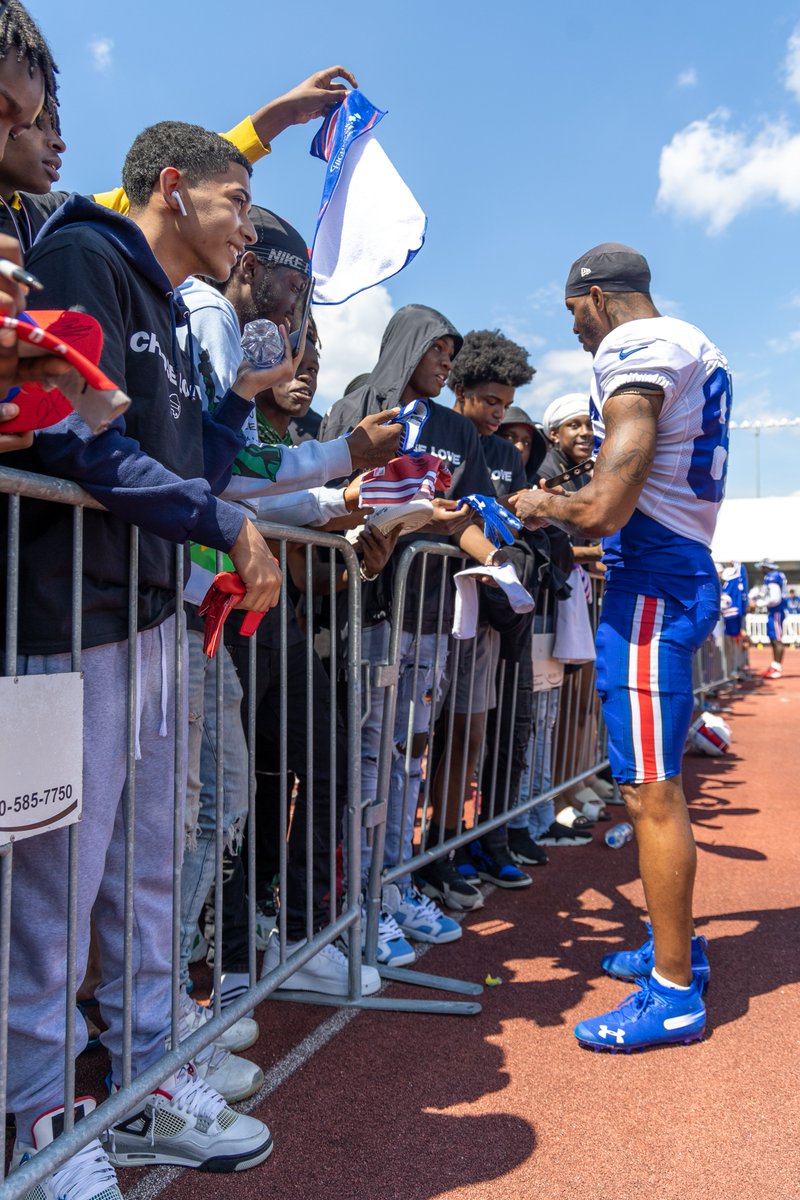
(216, 330)
(625, 358)
(314, 507)
(310, 464)
(774, 595)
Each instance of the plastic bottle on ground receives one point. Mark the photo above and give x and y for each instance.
(618, 835)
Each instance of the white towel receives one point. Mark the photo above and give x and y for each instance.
(369, 225)
(465, 619)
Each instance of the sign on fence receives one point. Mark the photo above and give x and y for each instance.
(41, 749)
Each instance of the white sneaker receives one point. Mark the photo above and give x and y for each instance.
(418, 917)
(187, 1124)
(233, 1077)
(405, 517)
(241, 1036)
(325, 972)
(88, 1175)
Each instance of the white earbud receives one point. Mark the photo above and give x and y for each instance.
(181, 206)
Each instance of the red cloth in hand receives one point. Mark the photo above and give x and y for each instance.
(226, 590)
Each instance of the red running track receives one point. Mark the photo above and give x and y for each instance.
(404, 1107)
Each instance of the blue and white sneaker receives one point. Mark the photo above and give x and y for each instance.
(393, 949)
(638, 964)
(652, 1016)
(418, 917)
(498, 867)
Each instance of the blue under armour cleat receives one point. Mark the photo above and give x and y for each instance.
(631, 965)
(652, 1016)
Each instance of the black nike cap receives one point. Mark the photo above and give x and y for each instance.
(611, 266)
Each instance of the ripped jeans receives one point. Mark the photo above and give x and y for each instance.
(415, 694)
(201, 800)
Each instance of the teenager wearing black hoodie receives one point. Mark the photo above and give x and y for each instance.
(416, 355)
(160, 469)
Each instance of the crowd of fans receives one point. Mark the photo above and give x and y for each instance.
(173, 264)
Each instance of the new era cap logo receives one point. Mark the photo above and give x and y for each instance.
(585, 271)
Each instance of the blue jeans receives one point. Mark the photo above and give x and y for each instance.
(201, 789)
(538, 774)
(415, 695)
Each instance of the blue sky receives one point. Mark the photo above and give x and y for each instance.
(528, 133)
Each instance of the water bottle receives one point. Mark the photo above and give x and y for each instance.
(618, 835)
(262, 344)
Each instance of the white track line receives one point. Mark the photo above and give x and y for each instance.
(159, 1178)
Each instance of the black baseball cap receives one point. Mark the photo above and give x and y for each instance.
(611, 266)
(278, 242)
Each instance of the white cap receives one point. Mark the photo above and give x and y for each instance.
(563, 408)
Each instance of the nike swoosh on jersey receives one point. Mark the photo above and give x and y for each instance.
(683, 1021)
(627, 353)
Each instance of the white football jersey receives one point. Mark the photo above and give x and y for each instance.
(686, 483)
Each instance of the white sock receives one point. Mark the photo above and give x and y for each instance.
(776, 666)
(667, 983)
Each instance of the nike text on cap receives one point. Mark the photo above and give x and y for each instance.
(612, 267)
(278, 243)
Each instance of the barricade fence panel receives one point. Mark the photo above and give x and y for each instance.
(179, 770)
(756, 626)
(460, 749)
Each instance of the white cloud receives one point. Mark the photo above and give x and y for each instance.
(667, 307)
(351, 337)
(711, 172)
(783, 345)
(687, 78)
(101, 49)
(791, 65)
(547, 298)
(557, 372)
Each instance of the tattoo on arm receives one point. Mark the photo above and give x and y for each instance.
(629, 446)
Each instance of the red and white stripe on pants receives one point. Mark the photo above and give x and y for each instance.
(645, 690)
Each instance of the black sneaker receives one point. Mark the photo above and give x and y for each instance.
(523, 849)
(462, 860)
(498, 867)
(564, 835)
(441, 881)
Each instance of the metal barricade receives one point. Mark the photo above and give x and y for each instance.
(308, 783)
(415, 794)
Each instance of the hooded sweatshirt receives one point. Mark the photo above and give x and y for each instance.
(446, 434)
(159, 467)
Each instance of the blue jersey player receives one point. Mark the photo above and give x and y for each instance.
(775, 594)
(734, 598)
(661, 397)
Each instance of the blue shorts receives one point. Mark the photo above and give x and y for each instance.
(645, 646)
(775, 625)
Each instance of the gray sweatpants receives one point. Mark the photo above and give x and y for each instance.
(38, 1000)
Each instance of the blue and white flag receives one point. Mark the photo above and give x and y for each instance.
(369, 225)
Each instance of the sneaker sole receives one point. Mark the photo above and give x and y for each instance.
(220, 1164)
(399, 960)
(521, 860)
(435, 939)
(678, 1041)
(526, 881)
(452, 899)
(326, 987)
(584, 841)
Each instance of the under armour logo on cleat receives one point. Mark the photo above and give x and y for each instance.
(619, 1034)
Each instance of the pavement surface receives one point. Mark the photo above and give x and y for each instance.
(397, 1106)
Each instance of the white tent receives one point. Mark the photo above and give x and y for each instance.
(749, 530)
